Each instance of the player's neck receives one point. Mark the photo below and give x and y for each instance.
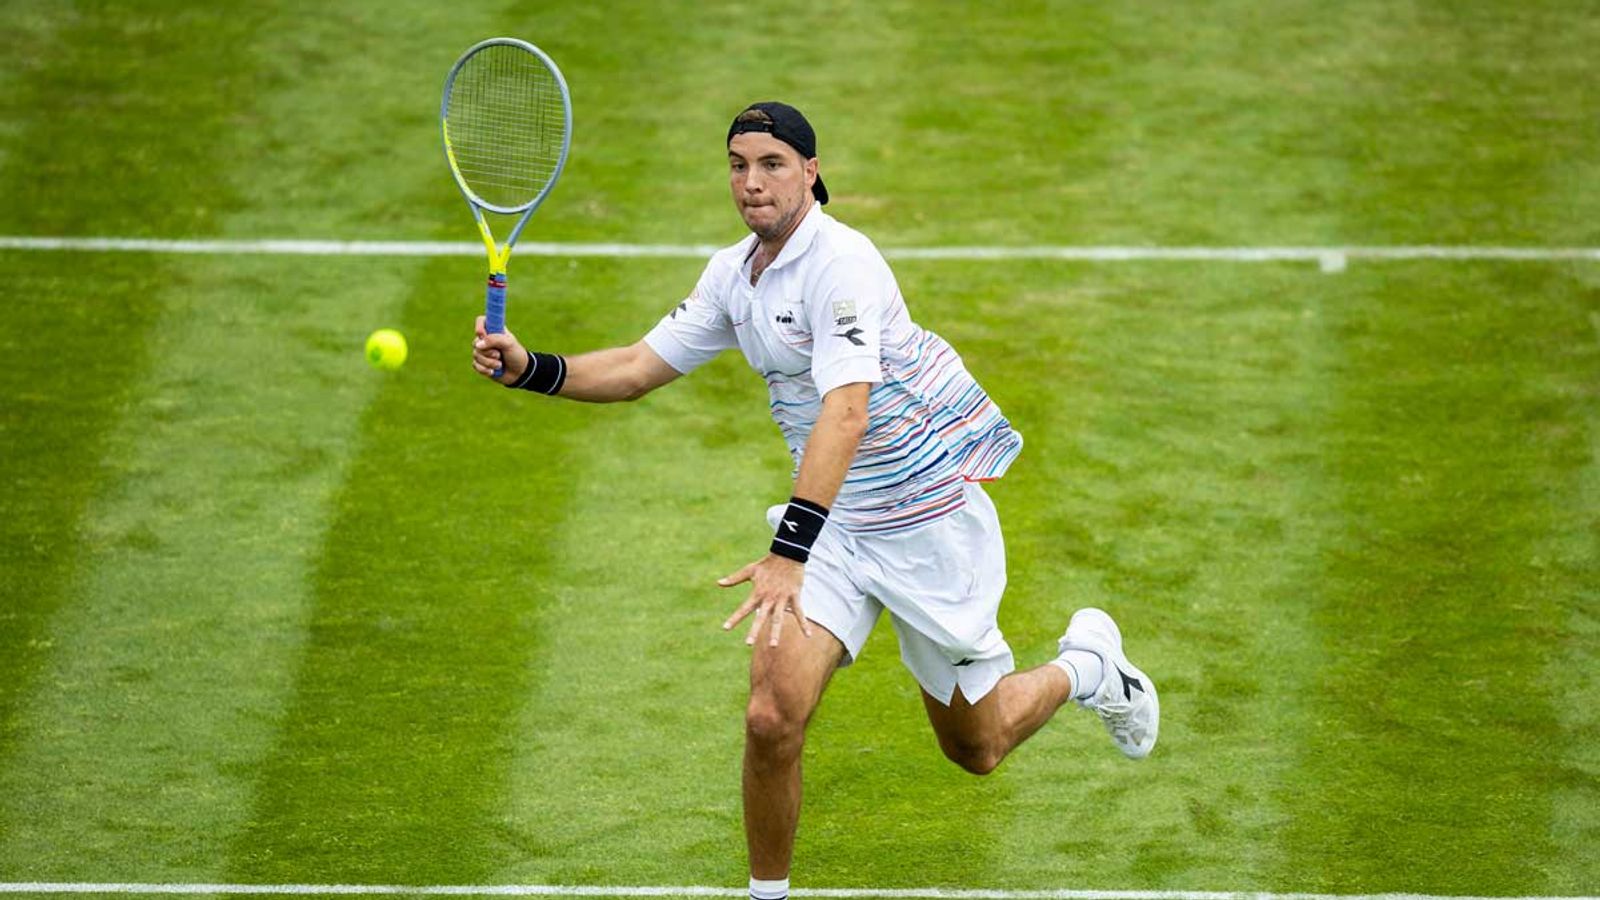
(768, 250)
(762, 258)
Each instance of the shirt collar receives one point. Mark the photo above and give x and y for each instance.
(798, 243)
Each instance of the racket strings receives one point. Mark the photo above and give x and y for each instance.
(507, 124)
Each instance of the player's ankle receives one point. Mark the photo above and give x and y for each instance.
(1084, 668)
(769, 889)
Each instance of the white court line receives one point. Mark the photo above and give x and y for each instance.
(557, 890)
(1330, 259)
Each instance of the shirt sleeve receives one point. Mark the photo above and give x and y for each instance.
(852, 294)
(696, 329)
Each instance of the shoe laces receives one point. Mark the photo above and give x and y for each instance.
(1118, 716)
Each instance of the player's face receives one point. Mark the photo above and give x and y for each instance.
(771, 183)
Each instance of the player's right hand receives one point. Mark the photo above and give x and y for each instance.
(495, 351)
(774, 596)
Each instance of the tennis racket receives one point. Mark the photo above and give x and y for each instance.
(507, 124)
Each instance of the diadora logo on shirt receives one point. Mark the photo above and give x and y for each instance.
(684, 306)
(786, 318)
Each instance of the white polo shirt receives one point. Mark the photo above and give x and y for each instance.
(827, 312)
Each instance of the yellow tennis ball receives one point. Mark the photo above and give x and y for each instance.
(386, 349)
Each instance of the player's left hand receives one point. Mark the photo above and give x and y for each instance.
(775, 592)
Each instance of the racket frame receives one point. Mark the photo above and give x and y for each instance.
(500, 254)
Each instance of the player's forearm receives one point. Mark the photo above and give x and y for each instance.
(605, 376)
(832, 445)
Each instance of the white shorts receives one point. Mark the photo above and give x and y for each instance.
(941, 583)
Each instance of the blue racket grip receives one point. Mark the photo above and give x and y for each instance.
(494, 309)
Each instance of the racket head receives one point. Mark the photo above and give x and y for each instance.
(506, 118)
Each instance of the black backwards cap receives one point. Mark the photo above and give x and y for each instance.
(785, 123)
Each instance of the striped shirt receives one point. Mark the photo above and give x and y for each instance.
(826, 313)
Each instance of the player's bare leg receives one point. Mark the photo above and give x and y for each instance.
(786, 684)
(977, 736)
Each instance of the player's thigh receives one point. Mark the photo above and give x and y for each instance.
(787, 681)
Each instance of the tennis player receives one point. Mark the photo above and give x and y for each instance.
(891, 438)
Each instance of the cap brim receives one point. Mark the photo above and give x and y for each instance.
(819, 190)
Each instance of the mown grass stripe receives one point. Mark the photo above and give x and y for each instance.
(67, 427)
(422, 620)
(169, 664)
(1453, 450)
(55, 438)
(55, 418)
(1448, 448)
(425, 623)
(166, 666)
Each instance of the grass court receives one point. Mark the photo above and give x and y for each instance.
(268, 616)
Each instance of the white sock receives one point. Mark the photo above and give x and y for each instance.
(769, 890)
(1085, 669)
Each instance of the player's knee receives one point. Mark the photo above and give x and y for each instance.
(771, 727)
(976, 757)
(979, 763)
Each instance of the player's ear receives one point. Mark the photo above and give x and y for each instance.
(811, 173)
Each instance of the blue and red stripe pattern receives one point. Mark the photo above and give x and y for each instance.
(930, 428)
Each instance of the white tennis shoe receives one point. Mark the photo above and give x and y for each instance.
(1126, 699)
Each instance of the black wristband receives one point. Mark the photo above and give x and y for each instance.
(545, 374)
(798, 529)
